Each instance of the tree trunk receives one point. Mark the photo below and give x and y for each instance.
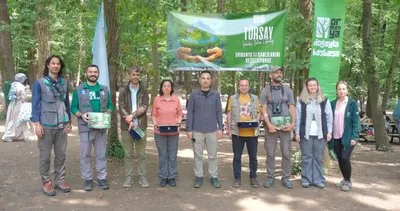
(42, 30)
(32, 66)
(7, 68)
(81, 52)
(112, 54)
(381, 141)
(154, 61)
(187, 74)
(393, 65)
(217, 75)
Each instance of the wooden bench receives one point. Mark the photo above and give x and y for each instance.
(363, 137)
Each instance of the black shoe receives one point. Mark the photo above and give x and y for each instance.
(172, 182)
(215, 182)
(102, 183)
(163, 182)
(88, 185)
(198, 182)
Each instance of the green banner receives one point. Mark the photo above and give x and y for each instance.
(220, 42)
(327, 43)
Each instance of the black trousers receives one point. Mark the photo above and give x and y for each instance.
(343, 158)
(237, 148)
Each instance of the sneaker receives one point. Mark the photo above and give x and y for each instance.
(346, 187)
(127, 182)
(198, 182)
(340, 184)
(102, 183)
(172, 182)
(63, 186)
(305, 184)
(143, 182)
(321, 186)
(163, 182)
(48, 188)
(237, 183)
(254, 182)
(215, 182)
(287, 183)
(88, 185)
(269, 182)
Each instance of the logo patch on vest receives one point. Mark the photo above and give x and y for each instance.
(83, 92)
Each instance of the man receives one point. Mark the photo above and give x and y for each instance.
(133, 103)
(280, 118)
(243, 107)
(92, 97)
(204, 128)
(51, 116)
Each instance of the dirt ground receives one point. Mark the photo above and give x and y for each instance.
(376, 183)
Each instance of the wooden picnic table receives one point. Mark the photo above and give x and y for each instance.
(394, 131)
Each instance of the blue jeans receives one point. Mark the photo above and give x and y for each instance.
(237, 148)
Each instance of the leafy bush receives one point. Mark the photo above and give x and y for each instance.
(114, 148)
(296, 161)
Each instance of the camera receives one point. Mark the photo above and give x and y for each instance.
(277, 108)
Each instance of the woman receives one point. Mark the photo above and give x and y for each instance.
(18, 125)
(346, 128)
(167, 111)
(313, 130)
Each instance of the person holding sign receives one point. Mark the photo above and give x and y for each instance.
(313, 130)
(133, 102)
(242, 122)
(279, 116)
(90, 102)
(167, 116)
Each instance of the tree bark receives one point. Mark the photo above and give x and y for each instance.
(187, 74)
(217, 75)
(42, 30)
(7, 67)
(393, 65)
(155, 63)
(112, 54)
(381, 141)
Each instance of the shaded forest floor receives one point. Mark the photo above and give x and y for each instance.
(376, 183)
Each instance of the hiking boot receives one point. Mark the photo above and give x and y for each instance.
(305, 184)
(254, 182)
(269, 182)
(63, 186)
(143, 182)
(48, 188)
(340, 184)
(287, 184)
(102, 183)
(215, 182)
(237, 183)
(321, 185)
(163, 182)
(346, 187)
(88, 185)
(198, 182)
(172, 182)
(127, 182)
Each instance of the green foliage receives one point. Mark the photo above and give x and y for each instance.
(114, 148)
(296, 161)
(3, 115)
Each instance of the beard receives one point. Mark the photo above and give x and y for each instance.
(91, 79)
(278, 80)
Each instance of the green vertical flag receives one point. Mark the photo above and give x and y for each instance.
(327, 43)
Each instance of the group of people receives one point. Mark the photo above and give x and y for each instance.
(316, 122)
